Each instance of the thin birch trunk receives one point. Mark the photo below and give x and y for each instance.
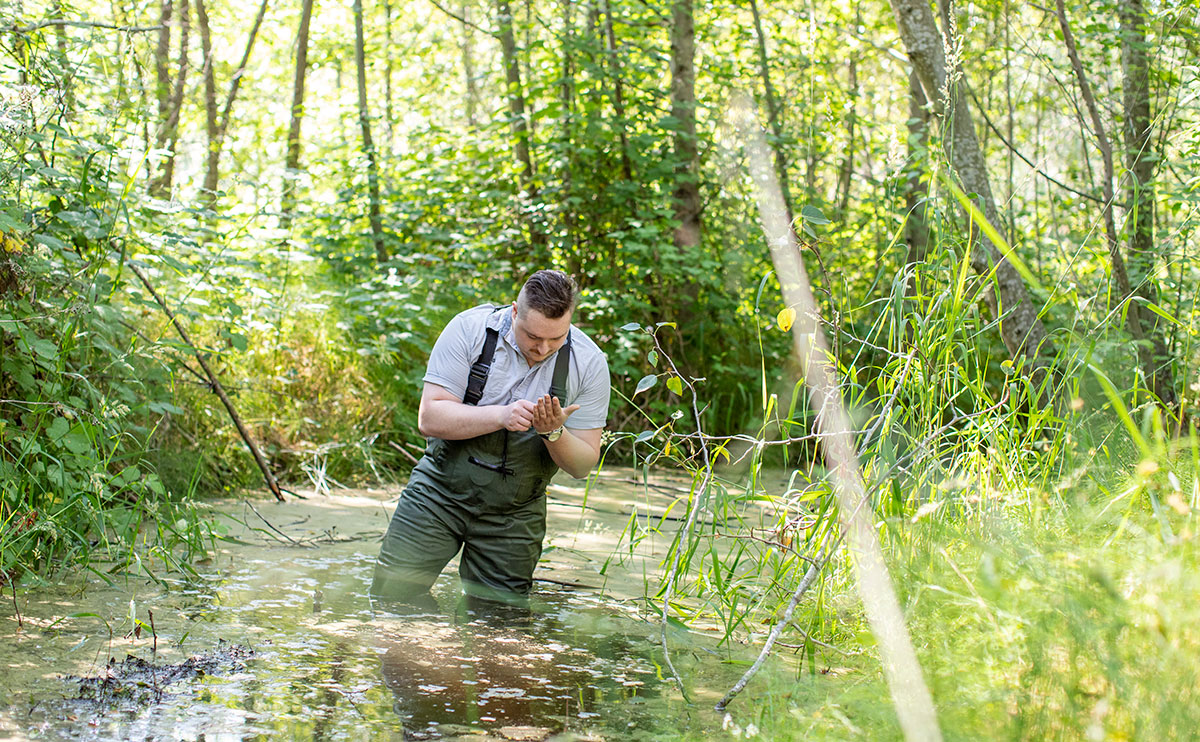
(216, 143)
(291, 166)
(773, 111)
(1140, 158)
(519, 124)
(916, 228)
(170, 106)
(1133, 310)
(387, 74)
(364, 120)
(846, 174)
(683, 111)
(566, 127)
(468, 64)
(614, 63)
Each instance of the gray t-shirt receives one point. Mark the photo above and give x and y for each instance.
(511, 378)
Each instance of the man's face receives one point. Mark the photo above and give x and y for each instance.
(537, 335)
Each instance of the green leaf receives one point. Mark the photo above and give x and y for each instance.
(77, 442)
(675, 384)
(239, 341)
(644, 436)
(44, 348)
(646, 382)
(58, 429)
(163, 408)
(631, 326)
(51, 242)
(812, 215)
(652, 357)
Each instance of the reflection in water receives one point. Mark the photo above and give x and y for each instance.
(496, 666)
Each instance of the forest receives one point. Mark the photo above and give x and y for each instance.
(898, 299)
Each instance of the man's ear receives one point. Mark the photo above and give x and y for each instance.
(514, 310)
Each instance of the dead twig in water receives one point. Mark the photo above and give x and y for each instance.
(291, 540)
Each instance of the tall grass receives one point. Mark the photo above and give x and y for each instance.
(1039, 540)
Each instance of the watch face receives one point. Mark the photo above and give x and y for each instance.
(553, 435)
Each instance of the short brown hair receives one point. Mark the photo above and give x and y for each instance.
(553, 293)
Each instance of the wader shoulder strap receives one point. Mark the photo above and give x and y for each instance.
(478, 377)
(558, 383)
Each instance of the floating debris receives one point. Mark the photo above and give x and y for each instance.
(136, 681)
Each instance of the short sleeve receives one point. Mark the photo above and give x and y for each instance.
(450, 360)
(592, 397)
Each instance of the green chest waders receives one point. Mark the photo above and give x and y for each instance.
(485, 496)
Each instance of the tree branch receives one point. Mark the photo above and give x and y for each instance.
(82, 24)
(1012, 148)
(461, 20)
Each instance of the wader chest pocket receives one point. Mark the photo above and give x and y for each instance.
(483, 472)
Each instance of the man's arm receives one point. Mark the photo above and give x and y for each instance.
(442, 415)
(575, 451)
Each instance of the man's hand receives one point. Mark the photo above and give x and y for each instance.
(548, 414)
(518, 416)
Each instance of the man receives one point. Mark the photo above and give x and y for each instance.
(511, 395)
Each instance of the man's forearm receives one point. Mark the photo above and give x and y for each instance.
(455, 421)
(573, 455)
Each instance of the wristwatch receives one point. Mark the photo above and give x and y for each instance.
(553, 435)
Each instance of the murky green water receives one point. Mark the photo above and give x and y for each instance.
(579, 665)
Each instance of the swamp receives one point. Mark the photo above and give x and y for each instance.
(898, 305)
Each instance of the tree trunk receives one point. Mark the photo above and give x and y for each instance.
(170, 106)
(916, 228)
(773, 117)
(162, 71)
(216, 144)
(387, 73)
(1140, 156)
(683, 110)
(211, 126)
(292, 161)
(1146, 349)
(1021, 328)
(519, 125)
(614, 62)
(364, 120)
(60, 42)
(567, 155)
(468, 63)
(846, 175)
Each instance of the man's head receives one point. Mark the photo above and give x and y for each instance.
(542, 314)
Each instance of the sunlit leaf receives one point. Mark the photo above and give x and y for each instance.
(786, 318)
(646, 382)
(675, 384)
